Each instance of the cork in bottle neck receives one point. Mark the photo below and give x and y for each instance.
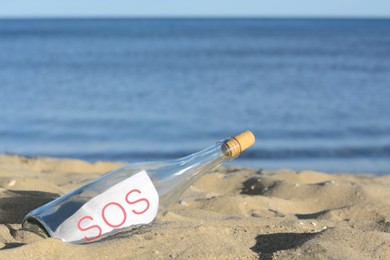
(237, 144)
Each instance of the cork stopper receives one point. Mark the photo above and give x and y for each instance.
(235, 145)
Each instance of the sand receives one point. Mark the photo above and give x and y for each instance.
(234, 213)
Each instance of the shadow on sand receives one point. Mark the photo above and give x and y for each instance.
(268, 244)
(16, 204)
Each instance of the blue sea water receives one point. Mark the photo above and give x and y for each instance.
(316, 93)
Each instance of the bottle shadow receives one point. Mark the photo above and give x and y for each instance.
(16, 204)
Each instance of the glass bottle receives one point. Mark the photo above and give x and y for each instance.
(130, 196)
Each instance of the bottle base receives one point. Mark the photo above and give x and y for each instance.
(33, 225)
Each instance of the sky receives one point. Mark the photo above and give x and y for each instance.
(195, 8)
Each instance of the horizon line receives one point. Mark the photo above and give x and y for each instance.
(335, 17)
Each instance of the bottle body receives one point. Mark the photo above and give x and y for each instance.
(133, 195)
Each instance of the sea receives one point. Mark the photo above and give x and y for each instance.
(315, 92)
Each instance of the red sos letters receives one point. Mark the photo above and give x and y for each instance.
(87, 223)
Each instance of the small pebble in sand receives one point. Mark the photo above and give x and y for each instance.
(314, 224)
(11, 182)
(183, 203)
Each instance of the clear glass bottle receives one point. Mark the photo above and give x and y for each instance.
(133, 195)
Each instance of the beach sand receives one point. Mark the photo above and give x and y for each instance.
(234, 213)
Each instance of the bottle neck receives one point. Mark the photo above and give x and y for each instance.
(221, 152)
(191, 168)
